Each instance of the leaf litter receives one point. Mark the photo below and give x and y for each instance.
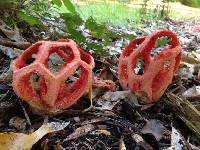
(116, 119)
(17, 141)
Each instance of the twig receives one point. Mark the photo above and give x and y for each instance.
(22, 45)
(46, 120)
(25, 113)
(185, 111)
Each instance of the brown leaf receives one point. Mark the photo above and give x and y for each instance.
(10, 52)
(110, 99)
(81, 131)
(13, 35)
(122, 145)
(192, 93)
(188, 58)
(21, 141)
(155, 127)
(22, 45)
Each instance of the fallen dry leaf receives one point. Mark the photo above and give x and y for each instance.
(197, 55)
(81, 131)
(122, 145)
(192, 93)
(22, 45)
(10, 52)
(186, 71)
(141, 142)
(188, 58)
(6, 76)
(18, 123)
(21, 141)
(177, 140)
(110, 99)
(13, 35)
(101, 131)
(155, 127)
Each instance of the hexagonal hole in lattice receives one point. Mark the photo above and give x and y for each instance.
(73, 77)
(139, 66)
(162, 43)
(55, 63)
(38, 84)
(28, 57)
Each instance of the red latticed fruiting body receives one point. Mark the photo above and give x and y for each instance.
(158, 71)
(51, 92)
(194, 29)
(105, 84)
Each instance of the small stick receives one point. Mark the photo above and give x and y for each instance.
(25, 113)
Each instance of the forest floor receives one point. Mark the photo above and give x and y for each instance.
(117, 119)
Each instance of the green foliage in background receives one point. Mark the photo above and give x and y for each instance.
(44, 13)
(29, 19)
(192, 3)
(110, 13)
(124, 1)
(99, 32)
(40, 13)
(10, 4)
(159, 12)
(9, 10)
(93, 16)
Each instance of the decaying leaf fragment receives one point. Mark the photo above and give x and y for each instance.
(21, 141)
(192, 93)
(11, 34)
(13, 37)
(178, 141)
(81, 131)
(189, 58)
(155, 127)
(110, 99)
(185, 111)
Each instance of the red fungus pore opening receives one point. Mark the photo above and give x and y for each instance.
(146, 73)
(194, 29)
(29, 57)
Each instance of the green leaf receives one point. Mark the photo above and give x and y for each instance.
(72, 20)
(57, 2)
(98, 31)
(70, 6)
(162, 42)
(29, 19)
(131, 36)
(77, 36)
(73, 34)
(61, 35)
(91, 24)
(98, 49)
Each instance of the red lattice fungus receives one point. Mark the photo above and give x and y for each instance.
(194, 29)
(104, 84)
(157, 72)
(50, 91)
